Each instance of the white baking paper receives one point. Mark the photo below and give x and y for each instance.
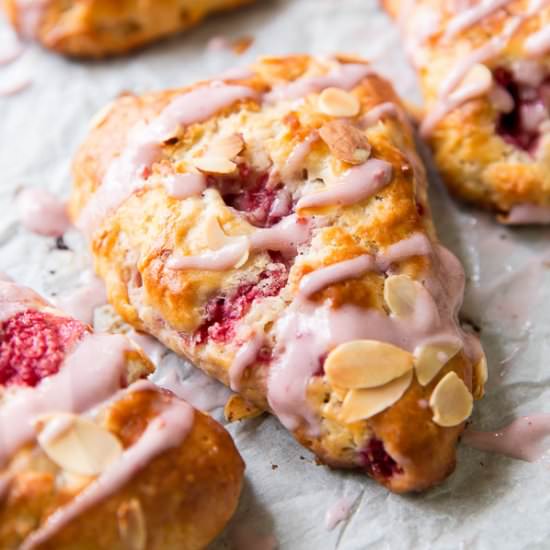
(490, 502)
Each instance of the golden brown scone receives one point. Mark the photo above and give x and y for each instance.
(263, 223)
(94, 456)
(99, 28)
(484, 68)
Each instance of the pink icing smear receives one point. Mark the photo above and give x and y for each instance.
(526, 438)
(339, 511)
(528, 214)
(82, 303)
(42, 212)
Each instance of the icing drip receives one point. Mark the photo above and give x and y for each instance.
(472, 16)
(168, 430)
(295, 162)
(523, 439)
(338, 512)
(183, 186)
(344, 76)
(379, 112)
(245, 356)
(90, 374)
(82, 303)
(42, 212)
(538, 43)
(357, 184)
(129, 172)
(285, 236)
(528, 213)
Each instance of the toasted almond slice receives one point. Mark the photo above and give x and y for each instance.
(215, 165)
(345, 141)
(430, 358)
(363, 403)
(400, 294)
(337, 102)
(480, 377)
(77, 444)
(238, 408)
(215, 237)
(366, 364)
(478, 78)
(451, 401)
(227, 147)
(131, 525)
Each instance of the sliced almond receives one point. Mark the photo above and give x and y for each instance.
(227, 147)
(480, 377)
(430, 359)
(363, 403)
(215, 165)
(77, 444)
(451, 401)
(400, 293)
(479, 79)
(216, 239)
(238, 408)
(337, 102)
(366, 364)
(345, 141)
(131, 525)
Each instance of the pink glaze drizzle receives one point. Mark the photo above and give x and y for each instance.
(245, 356)
(379, 112)
(82, 303)
(344, 76)
(91, 373)
(538, 43)
(15, 298)
(295, 161)
(128, 173)
(183, 186)
(42, 212)
(285, 236)
(168, 430)
(523, 439)
(357, 184)
(528, 214)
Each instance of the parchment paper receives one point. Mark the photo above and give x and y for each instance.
(490, 501)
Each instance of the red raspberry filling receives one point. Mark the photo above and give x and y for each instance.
(33, 345)
(519, 126)
(262, 205)
(377, 462)
(224, 312)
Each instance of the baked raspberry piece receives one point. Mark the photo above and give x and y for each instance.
(33, 345)
(377, 462)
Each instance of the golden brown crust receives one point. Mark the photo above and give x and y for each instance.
(181, 498)
(482, 160)
(101, 27)
(134, 242)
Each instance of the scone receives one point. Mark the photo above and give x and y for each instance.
(98, 28)
(484, 68)
(94, 456)
(273, 227)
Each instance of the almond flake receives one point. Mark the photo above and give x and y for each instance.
(77, 444)
(480, 377)
(478, 78)
(430, 359)
(345, 141)
(366, 364)
(131, 525)
(216, 239)
(400, 294)
(451, 401)
(215, 165)
(363, 403)
(337, 102)
(227, 147)
(238, 408)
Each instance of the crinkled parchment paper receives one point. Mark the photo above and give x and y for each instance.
(490, 501)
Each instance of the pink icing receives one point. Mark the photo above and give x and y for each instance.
(339, 511)
(344, 76)
(379, 112)
(30, 15)
(528, 214)
(295, 161)
(90, 374)
(246, 355)
(15, 298)
(357, 184)
(538, 43)
(82, 302)
(42, 212)
(168, 430)
(285, 236)
(183, 186)
(129, 172)
(523, 439)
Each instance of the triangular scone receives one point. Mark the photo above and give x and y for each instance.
(485, 73)
(272, 225)
(98, 28)
(93, 452)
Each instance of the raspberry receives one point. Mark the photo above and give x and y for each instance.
(377, 462)
(33, 345)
